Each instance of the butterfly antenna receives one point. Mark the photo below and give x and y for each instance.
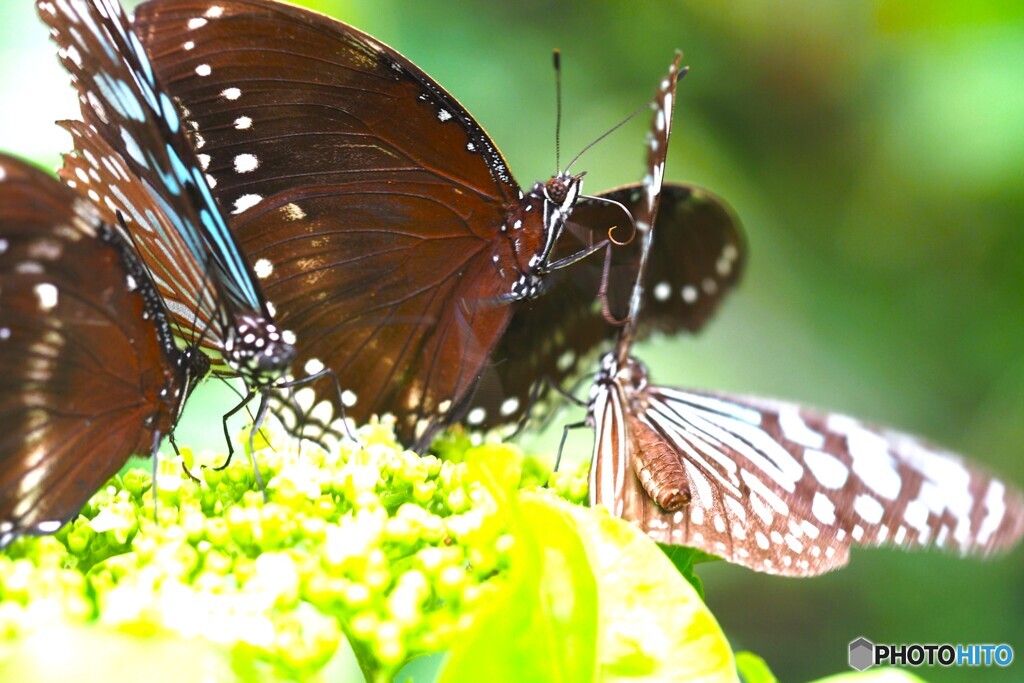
(556, 58)
(620, 124)
(608, 132)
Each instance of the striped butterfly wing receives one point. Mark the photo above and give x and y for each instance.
(91, 374)
(134, 160)
(782, 489)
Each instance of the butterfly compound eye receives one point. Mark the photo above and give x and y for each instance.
(557, 189)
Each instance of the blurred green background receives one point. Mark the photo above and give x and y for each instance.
(875, 153)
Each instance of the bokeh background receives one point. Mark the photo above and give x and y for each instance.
(875, 153)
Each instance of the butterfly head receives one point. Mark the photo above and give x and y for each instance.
(563, 190)
(533, 228)
(195, 362)
(258, 350)
(628, 374)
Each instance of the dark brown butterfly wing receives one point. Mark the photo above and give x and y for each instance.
(89, 367)
(698, 256)
(383, 222)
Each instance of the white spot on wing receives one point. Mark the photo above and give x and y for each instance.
(246, 201)
(869, 451)
(823, 508)
(826, 468)
(47, 295)
(49, 527)
(916, 515)
(869, 509)
(996, 507)
(231, 93)
(795, 429)
(246, 163)
(263, 268)
(197, 22)
(509, 406)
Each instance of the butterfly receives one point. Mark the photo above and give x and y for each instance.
(699, 257)
(133, 160)
(383, 224)
(766, 484)
(92, 374)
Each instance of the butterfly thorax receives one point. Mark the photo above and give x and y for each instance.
(533, 227)
(195, 362)
(194, 365)
(627, 378)
(258, 350)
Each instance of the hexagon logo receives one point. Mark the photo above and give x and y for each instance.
(862, 654)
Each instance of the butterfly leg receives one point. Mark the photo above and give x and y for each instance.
(260, 415)
(535, 392)
(177, 452)
(565, 435)
(155, 454)
(227, 436)
(326, 372)
(578, 256)
(567, 395)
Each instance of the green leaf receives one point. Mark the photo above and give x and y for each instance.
(544, 625)
(653, 624)
(685, 559)
(874, 676)
(753, 669)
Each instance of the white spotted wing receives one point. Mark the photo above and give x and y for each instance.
(782, 489)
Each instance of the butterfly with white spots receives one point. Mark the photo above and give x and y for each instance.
(767, 484)
(133, 159)
(779, 488)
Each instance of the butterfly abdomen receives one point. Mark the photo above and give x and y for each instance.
(658, 468)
